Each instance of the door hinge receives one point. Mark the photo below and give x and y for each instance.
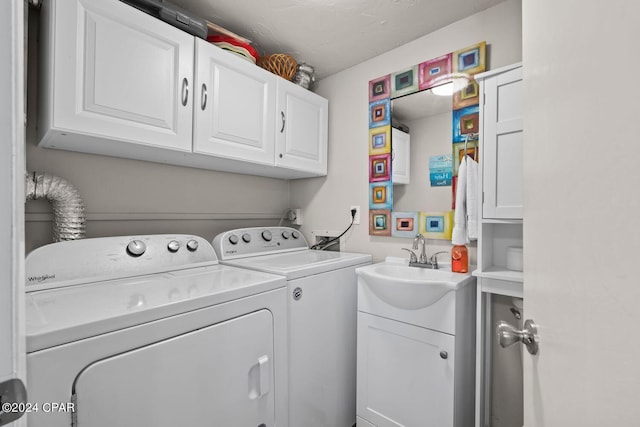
(13, 400)
(74, 412)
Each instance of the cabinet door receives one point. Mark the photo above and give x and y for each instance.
(220, 375)
(235, 106)
(400, 157)
(302, 124)
(502, 131)
(118, 73)
(404, 378)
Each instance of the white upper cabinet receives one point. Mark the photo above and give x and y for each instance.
(502, 138)
(400, 157)
(108, 73)
(302, 123)
(235, 106)
(119, 82)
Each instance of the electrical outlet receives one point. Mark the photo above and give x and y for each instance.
(356, 218)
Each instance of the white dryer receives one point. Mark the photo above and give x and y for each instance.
(151, 331)
(322, 314)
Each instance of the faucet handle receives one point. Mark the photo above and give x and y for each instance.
(433, 260)
(413, 257)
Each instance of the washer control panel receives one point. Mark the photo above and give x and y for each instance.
(244, 242)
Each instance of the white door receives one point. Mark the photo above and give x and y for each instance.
(234, 107)
(220, 375)
(12, 341)
(117, 72)
(581, 212)
(302, 126)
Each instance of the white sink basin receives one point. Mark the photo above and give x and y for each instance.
(410, 288)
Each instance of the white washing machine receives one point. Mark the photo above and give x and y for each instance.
(322, 315)
(152, 331)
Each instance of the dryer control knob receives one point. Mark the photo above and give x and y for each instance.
(246, 237)
(266, 235)
(173, 246)
(136, 248)
(233, 239)
(286, 234)
(295, 234)
(192, 245)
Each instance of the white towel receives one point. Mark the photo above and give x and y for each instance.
(459, 233)
(472, 198)
(465, 220)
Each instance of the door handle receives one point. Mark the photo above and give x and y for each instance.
(13, 399)
(185, 91)
(283, 121)
(263, 366)
(508, 335)
(203, 97)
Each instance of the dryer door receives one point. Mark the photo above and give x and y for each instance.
(220, 375)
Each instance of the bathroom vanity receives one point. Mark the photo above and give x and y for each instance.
(416, 344)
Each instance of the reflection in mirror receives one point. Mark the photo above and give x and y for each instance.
(427, 117)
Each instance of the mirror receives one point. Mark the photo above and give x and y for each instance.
(427, 118)
(402, 201)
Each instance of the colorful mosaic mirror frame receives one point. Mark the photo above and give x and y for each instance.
(467, 62)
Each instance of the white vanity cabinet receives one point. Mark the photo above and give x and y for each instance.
(415, 360)
(116, 81)
(111, 81)
(400, 157)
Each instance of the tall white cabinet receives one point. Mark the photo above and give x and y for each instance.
(500, 202)
(118, 82)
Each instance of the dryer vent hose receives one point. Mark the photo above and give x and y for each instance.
(68, 207)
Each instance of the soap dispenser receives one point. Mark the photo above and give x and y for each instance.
(459, 259)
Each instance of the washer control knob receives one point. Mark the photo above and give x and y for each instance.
(136, 248)
(286, 234)
(295, 234)
(266, 235)
(233, 239)
(173, 246)
(246, 237)
(192, 245)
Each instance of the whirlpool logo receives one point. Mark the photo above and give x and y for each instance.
(41, 278)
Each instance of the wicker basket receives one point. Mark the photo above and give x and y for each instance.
(279, 63)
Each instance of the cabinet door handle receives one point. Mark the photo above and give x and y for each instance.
(185, 91)
(283, 121)
(203, 97)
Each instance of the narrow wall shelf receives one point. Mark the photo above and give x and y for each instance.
(500, 273)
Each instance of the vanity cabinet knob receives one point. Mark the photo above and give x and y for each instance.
(444, 354)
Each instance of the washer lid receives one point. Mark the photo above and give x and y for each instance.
(294, 265)
(62, 315)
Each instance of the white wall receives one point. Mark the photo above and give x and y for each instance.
(326, 201)
(126, 197)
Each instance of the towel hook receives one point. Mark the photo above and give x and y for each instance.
(471, 137)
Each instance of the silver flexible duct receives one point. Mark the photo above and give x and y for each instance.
(68, 207)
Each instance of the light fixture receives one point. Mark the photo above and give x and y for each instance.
(457, 81)
(443, 90)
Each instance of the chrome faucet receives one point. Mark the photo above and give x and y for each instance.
(423, 262)
(419, 240)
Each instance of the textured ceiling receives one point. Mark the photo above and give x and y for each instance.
(333, 35)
